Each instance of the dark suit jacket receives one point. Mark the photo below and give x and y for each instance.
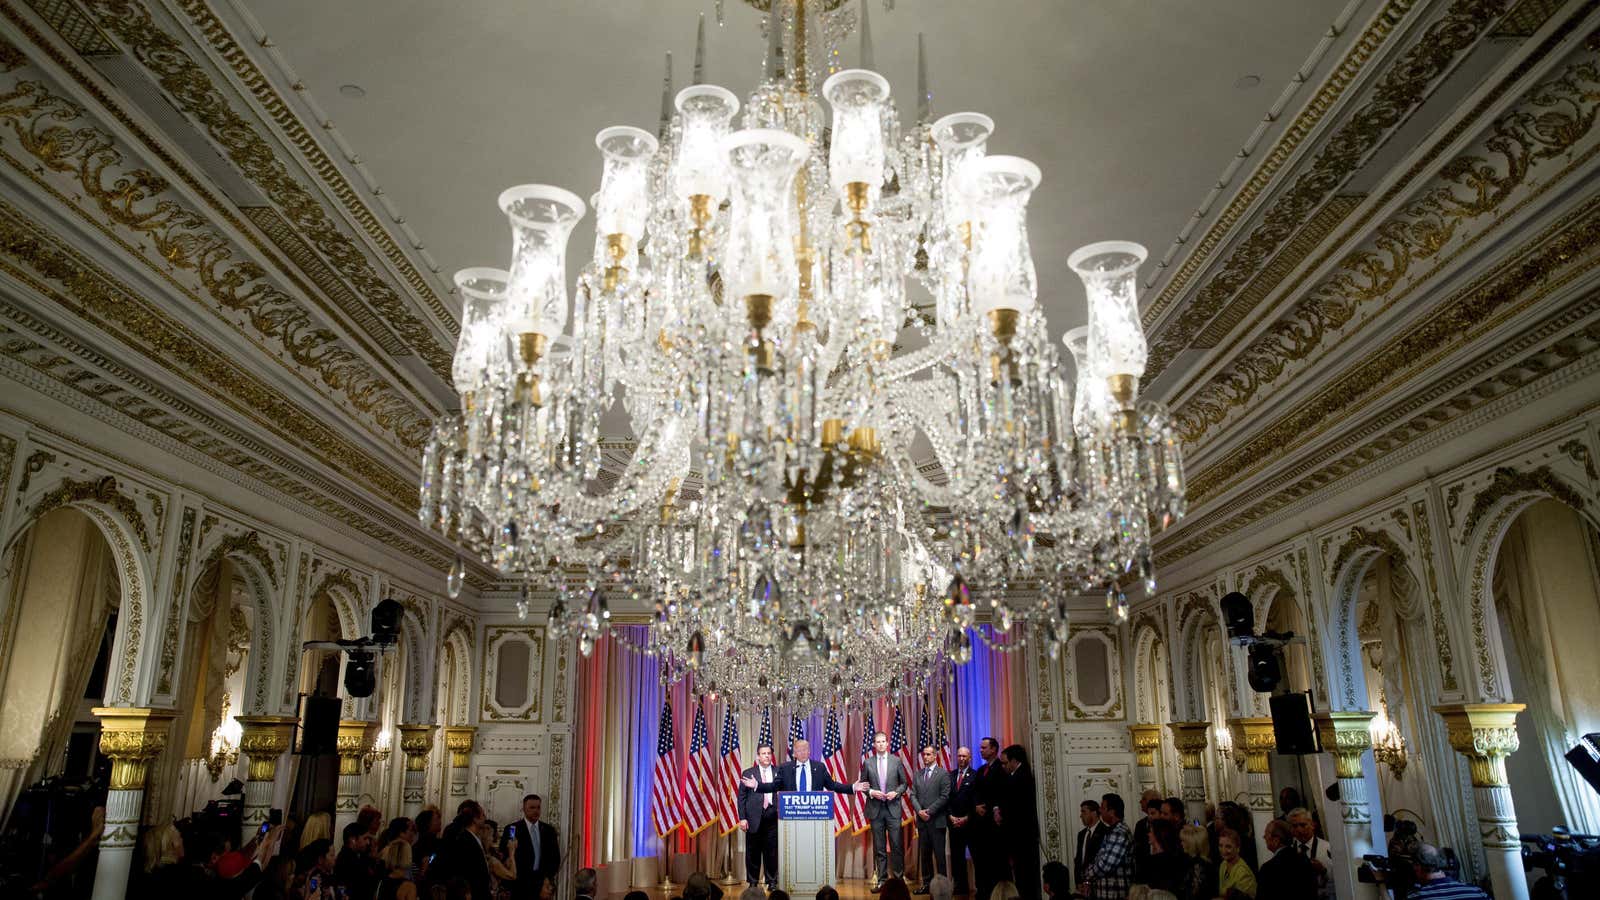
(991, 787)
(528, 878)
(1286, 876)
(963, 792)
(750, 798)
(1019, 806)
(787, 780)
(1085, 848)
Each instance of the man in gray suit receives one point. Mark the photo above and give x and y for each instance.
(930, 797)
(887, 781)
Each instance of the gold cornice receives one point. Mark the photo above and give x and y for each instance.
(1561, 255)
(1190, 739)
(1345, 735)
(1146, 740)
(262, 740)
(458, 740)
(189, 88)
(415, 742)
(223, 44)
(1554, 116)
(1256, 738)
(1403, 86)
(1339, 79)
(180, 240)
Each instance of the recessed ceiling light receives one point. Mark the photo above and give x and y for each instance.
(1246, 82)
(356, 91)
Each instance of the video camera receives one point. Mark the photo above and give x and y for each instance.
(1571, 861)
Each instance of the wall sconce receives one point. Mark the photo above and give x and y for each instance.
(1388, 746)
(1222, 739)
(224, 747)
(379, 752)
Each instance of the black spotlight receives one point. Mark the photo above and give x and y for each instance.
(1237, 615)
(1264, 672)
(360, 676)
(386, 622)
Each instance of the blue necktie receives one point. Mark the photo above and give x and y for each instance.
(805, 777)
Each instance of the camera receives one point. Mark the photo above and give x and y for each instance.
(1571, 862)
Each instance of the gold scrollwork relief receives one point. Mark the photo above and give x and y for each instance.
(102, 490)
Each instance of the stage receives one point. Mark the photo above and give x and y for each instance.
(848, 888)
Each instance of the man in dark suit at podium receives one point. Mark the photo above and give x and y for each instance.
(538, 850)
(803, 774)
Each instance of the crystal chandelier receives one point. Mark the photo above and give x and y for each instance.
(849, 420)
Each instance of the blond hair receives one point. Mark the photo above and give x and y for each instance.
(318, 826)
(1004, 890)
(1195, 841)
(397, 855)
(162, 845)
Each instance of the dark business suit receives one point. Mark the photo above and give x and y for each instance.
(531, 877)
(888, 853)
(1087, 846)
(963, 796)
(1286, 876)
(1019, 830)
(789, 779)
(760, 812)
(990, 863)
(930, 793)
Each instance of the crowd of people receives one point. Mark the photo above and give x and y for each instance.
(426, 858)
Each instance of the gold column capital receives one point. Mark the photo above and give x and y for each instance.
(263, 739)
(1346, 735)
(1146, 740)
(458, 740)
(355, 738)
(415, 741)
(1485, 733)
(1191, 739)
(1256, 738)
(132, 736)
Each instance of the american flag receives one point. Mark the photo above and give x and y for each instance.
(797, 732)
(728, 774)
(664, 780)
(898, 745)
(764, 739)
(868, 730)
(699, 789)
(844, 817)
(924, 735)
(941, 739)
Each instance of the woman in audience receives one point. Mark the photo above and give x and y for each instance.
(319, 826)
(396, 858)
(1167, 867)
(1235, 879)
(1200, 879)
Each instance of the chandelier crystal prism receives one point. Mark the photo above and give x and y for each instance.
(849, 432)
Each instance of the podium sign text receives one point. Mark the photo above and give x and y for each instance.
(805, 840)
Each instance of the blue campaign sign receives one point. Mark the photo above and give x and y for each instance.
(805, 805)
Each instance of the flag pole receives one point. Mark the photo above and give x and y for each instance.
(665, 883)
(728, 876)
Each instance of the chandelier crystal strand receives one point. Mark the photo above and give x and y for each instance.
(852, 434)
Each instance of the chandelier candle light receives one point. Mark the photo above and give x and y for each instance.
(851, 431)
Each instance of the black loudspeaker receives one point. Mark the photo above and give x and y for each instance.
(1292, 728)
(319, 725)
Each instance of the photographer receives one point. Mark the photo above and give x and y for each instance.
(1430, 865)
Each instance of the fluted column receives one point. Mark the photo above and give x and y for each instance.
(1146, 741)
(355, 739)
(458, 740)
(1486, 733)
(1256, 736)
(415, 741)
(1191, 739)
(263, 740)
(131, 737)
(1346, 736)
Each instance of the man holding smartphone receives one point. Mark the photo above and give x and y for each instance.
(538, 850)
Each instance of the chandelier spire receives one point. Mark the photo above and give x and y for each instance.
(866, 35)
(924, 95)
(666, 101)
(700, 52)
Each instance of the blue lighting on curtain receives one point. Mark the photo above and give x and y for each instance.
(971, 717)
(647, 686)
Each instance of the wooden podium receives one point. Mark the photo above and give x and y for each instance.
(805, 841)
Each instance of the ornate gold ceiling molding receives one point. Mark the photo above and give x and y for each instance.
(137, 201)
(1567, 341)
(187, 84)
(1500, 174)
(1404, 86)
(1333, 88)
(60, 274)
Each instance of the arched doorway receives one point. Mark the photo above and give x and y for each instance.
(56, 632)
(1546, 586)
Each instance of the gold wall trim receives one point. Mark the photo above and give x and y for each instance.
(77, 29)
(187, 83)
(1477, 185)
(1333, 87)
(1403, 87)
(182, 240)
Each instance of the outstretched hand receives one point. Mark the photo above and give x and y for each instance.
(750, 782)
(860, 786)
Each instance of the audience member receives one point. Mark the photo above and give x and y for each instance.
(1286, 875)
(396, 881)
(1312, 848)
(1111, 873)
(1235, 878)
(826, 892)
(1430, 865)
(1149, 810)
(1089, 837)
(318, 827)
(1057, 879)
(1200, 877)
(584, 883)
(354, 870)
(1168, 866)
(1005, 890)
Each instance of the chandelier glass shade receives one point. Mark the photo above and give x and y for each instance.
(851, 432)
